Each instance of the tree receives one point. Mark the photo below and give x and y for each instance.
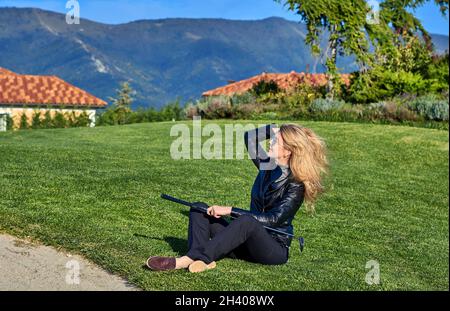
(121, 105)
(405, 43)
(344, 22)
(350, 31)
(397, 13)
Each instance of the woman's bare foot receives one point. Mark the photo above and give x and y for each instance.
(200, 266)
(183, 262)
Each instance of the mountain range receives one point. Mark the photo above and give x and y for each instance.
(163, 59)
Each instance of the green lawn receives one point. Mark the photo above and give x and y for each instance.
(96, 192)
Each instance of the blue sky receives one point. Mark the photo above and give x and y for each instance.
(122, 11)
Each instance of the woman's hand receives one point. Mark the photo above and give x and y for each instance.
(218, 211)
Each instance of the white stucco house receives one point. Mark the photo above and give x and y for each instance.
(23, 94)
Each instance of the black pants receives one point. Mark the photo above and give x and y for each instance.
(211, 238)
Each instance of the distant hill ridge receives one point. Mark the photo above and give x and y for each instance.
(163, 59)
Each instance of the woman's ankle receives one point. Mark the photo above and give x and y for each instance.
(183, 262)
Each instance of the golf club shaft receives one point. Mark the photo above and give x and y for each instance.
(179, 201)
(170, 198)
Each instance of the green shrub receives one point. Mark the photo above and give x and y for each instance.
(191, 110)
(302, 97)
(211, 107)
(9, 122)
(271, 98)
(148, 115)
(321, 105)
(152, 115)
(71, 118)
(400, 82)
(36, 120)
(431, 107)
(106, 117)
(47, 122)
(380, 84)
(66, 119)
(82, 120)
(270, 115)
(247, 111)
(243, 99)
(392, 110)
(438, 72)
(138, 116)
(218, 108)
(265, 87)
(172, 111)
(374, 111)
(59, 121)
(23, 122)
(243, 106)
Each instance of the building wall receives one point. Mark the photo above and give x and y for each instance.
(16, 113)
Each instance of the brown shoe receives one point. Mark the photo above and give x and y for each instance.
(159, 263)
(200, 266)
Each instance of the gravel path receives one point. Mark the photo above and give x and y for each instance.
(27, 266)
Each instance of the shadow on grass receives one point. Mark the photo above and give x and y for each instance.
(178, 245)
(185, 213)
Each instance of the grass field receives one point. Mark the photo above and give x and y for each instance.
(96, 192)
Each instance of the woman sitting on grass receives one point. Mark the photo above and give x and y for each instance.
(289, 174)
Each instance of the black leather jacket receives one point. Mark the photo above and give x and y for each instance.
(276, 196)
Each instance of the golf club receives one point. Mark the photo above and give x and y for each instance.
(233, 215)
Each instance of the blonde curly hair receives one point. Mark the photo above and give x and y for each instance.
(308, 160)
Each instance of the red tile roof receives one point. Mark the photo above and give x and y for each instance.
(285, 81)
(4, 71)
(17, 89)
